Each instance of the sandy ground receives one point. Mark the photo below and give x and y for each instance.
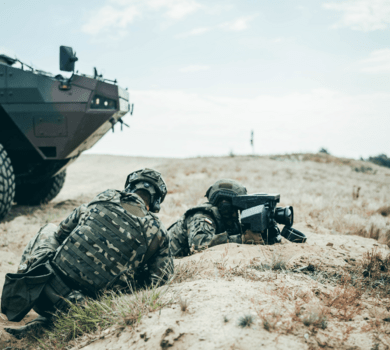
(217, 299)
(225, 286)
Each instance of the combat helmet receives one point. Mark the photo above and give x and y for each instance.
(224, 188)
(151, 181)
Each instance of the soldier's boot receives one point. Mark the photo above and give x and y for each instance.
(34, 325)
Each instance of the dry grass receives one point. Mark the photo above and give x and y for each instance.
(270, 320)
(345, 300)
(369, 276)
(316, 318)
(375, 270)
(184, 304)
(186, 271)
(332, 302)
(88, 322)
(113, 312)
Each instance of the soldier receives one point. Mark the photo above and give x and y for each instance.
(102, 245)
(212, 223)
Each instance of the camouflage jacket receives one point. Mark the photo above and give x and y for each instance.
(197, 228)
(156, 258)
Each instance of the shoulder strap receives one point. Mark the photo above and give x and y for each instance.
(112, 196)
(153, 247)
(210, 210)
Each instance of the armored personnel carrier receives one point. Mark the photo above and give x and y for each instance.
(46, 122)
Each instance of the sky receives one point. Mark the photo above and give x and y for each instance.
(302, 74)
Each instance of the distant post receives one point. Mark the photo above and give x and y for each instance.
(252, 144)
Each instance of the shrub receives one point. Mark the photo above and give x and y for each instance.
(323, 150)
(381, 160)
(364, 169)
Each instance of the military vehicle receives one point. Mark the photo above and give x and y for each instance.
(46, 122)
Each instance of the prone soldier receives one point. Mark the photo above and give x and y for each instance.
(99, 246)
(231, 215)
(212, 223)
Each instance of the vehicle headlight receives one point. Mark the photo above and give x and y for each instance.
(101, 102)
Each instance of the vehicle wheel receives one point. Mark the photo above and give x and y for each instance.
(7, 183)
(41, 192)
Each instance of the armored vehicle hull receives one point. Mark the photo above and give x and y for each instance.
(45, 124)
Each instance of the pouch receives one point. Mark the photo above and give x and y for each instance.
(21, 291)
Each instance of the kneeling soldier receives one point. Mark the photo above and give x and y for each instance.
(99, 246)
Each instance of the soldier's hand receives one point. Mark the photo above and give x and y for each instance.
(250, 237)
(221, 238)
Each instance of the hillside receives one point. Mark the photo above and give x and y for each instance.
(329, 293)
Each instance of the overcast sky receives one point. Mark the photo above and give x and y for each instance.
(303, 74)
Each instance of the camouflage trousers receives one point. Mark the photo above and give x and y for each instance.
(41, 244)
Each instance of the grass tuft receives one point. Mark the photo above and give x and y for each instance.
(111, 309)
(270, 319)
(183, 304)
(278, 262)
(316, 319)
(186, 271)
(245, 321)
(384, 211)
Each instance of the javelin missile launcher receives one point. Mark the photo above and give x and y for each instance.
(46, 122)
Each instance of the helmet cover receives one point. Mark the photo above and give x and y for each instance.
(151, 181)
(224, 188)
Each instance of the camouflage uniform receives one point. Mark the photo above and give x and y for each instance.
(102, 245)
(94, 260)
(51, 238)
(43, 243)
(200, 227)
(212, 223)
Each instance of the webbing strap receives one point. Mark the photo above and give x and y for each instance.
(112, 236)
(102, 245)
(114, 207)
(110, 264)
(151, 249)
(136, 229)
(116, 234)
(59, 286)
(90, 262)
(74, 275)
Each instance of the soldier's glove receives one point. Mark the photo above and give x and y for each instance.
(250, 237)
(221, 238)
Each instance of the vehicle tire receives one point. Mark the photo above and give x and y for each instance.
(41, 192)
(7, 183)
